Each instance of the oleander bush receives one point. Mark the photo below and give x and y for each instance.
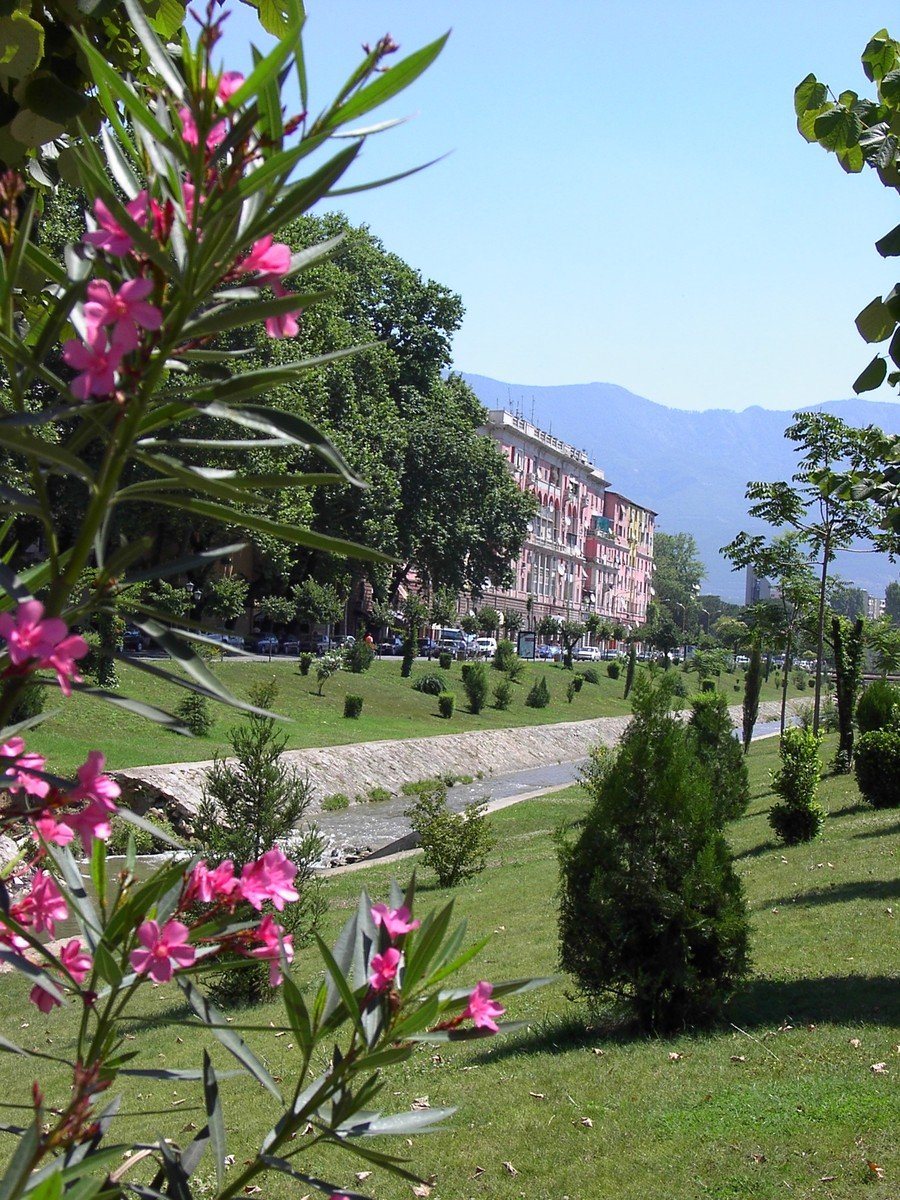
(455, 845)
(876, 762)
(876, 706)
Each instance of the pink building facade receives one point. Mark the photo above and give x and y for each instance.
(589, 549)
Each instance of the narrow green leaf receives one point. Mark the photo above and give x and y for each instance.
(20, 1165)
(136, 706)
(181, 565)
(378, 183)
(342, 987)
(214, 1117)
(102, 73)
(215, 1022)
(388, 83)
(158, 57)
(296, 198)
(267, 68)
(223, 317)
(275, 529)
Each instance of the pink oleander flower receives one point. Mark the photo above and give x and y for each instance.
(51, 830)
(229, 82)
(22, 766)
(206, 886)
(19, 911)
(284, 325)
(395, 920)
(482, 1009)
(93, 785)
(384, 969)
(76, 960)
(62, 660)
(92, 822)
(267, 258)
(44, 904)
(97, 359)
(43, 999)
(191, 135)
(273, 938)
(165, 950)
(269, 878)
(126, 310)
(29, 634)
(111, 237)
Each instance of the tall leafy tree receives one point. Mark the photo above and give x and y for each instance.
(826, 518)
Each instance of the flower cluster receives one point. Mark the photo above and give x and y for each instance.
(34, 641)
(396, 923)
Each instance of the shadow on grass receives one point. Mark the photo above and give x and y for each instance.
(842, 999)
(870, 889)
(882, 832)
(761, 1004)
(756, 851)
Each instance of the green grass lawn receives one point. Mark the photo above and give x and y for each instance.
(391, 709)
(779, 1101)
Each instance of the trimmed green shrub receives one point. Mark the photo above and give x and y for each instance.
(358, 657)
(334, 802)
(613, 670)
(503, 695)
(652, 914)
(29, 703)
(306, 661)
(876, 705)
(505, 655)
(445, 660)
(720, 752)
(516, 669)
(539, 696)
(248, 805)
(144, 841)
(432, 683)
(446, 701)
(475, 682)
(707, 685)
(455, 845)
(572, 689)
(799, 818)
(413, 787)
(877, 766)
(194, 711)
(377, 795)
(590, 675)
(353, 706)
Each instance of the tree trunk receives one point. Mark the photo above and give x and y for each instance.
(785, 675)
(847, 663)
(820, 639)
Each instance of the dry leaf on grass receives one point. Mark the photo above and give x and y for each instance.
(597, 1051)
(478, 1172)
(759, 1158)
(362, 1176)
(510, 1168)
(879, 1068)
(420, 1102)
(877, 1171)
(855, 1043)
(421, 1189)
(674, 1056)
(827, 1178)
(587, 1122)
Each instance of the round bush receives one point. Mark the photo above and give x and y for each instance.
(795, 824)
(446, 701)
(613, 669)
(505, 655)
(195, 713)
(539, 696)
(305, 663)
(352, 706)
(445, 660)
(589, 675)
(475, 681)
(30, 703)
(432, 683)
(359, 656)
(877, 765)
(876, 705)
(503, 695)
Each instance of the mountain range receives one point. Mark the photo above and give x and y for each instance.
(692, 468)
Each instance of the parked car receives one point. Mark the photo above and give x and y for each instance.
(298, 645)
(134, 640)
(484, 647)
(268, 644)
(428, 646)
(393, 645)
(548, 651)
(235, 639)
(588, 654)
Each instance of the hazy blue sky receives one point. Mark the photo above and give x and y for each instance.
(626, 198)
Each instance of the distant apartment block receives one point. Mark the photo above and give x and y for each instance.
(755, 588)
(874, 607)
(589, 549)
